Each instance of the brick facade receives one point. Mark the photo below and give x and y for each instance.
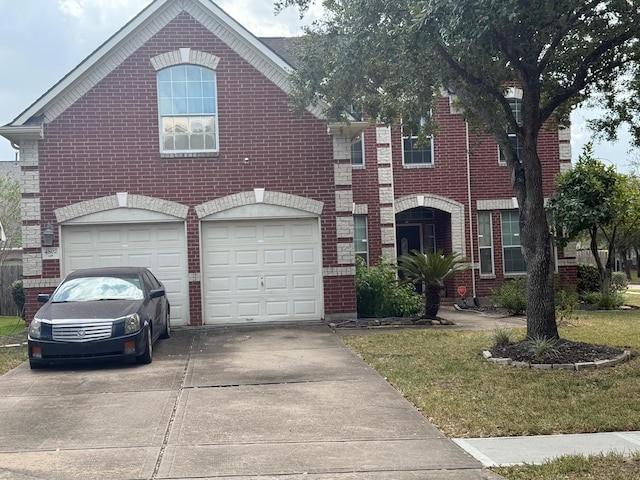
(92, 145)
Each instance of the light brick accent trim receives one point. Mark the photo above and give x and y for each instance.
(30, 181)
(341, 148)
(257, 59)
(346, 253)
(110, 62)
(31, 236)
(344, 201)
(383, 135)
(567, 262)
(30, 209)
(565, 151)
(497, 204)
(342, 174)
(344, 227)
(249, 198)
(385, 176)
(456, 209)
(388, 235)
(564, 134)
(360, 209)
(31, 264)
(565, 167)
(41, 282)
(389, 253)
(338, 271)
(384, 155)
(386, 215)
(185, 55)
(386, 195)
(111, 202)
(29, 153)
(195, 277)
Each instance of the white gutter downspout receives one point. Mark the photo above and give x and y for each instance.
(472, 246)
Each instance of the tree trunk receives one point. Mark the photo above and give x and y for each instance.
(535, 239)
(431, 301)
(637, 261)
(626, 263)
(605, 280)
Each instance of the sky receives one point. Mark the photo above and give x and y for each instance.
(43, 40)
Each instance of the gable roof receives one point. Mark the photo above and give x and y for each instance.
(133, 35)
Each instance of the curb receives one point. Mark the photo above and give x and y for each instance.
(623, 357)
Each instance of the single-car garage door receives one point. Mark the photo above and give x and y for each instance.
(159, 246)
(261, 270)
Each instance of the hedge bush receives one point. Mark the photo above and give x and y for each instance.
(379, 294)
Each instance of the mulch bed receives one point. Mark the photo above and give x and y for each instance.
(564, 351)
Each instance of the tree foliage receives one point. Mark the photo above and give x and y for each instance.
(10, 214)
(593, 198)
(392, 58)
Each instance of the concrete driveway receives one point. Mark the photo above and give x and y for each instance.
(268, 402)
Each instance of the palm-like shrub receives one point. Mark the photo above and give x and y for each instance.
(430, 270)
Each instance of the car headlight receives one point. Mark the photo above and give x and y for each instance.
(132, 323)
(35, 328)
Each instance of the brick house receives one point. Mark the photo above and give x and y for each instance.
(173, 146)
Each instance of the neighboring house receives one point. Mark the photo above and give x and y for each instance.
(173, 146)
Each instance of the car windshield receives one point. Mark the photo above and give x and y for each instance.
(86, 289)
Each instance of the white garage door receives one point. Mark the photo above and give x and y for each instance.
(261, 270)
(159, 246)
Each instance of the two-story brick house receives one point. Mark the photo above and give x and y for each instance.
(173, 146)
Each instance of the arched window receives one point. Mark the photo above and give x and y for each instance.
(187, 102)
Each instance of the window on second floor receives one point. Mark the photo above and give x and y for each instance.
(516, 108)
(187, 99)
(357, 151)
(414, 151)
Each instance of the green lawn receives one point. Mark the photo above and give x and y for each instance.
(10, 325)
(444, 374)
(13, 356)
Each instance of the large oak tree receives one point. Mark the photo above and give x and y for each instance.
(391, 58)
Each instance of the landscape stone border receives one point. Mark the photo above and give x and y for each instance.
(623, 357)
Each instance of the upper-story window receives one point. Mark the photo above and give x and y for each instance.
(516, 108)
(414, 151)
(357, 151)
(188, 109)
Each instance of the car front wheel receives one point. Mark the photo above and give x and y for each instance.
(147, 355)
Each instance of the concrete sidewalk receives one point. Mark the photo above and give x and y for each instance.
(505, 451)
(286, 402)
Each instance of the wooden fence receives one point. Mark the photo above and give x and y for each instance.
(8, 275)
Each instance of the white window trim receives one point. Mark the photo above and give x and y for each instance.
(186, 153)
(415, 137)
(491, 247)
(365, 240)
(504, 263)
(360, 165)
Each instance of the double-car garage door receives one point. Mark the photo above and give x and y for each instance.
(252, 270)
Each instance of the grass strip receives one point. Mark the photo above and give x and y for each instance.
(444, 374)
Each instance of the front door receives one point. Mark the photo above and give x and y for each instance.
(409, 237)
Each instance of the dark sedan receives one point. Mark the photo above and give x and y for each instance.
(100, 313)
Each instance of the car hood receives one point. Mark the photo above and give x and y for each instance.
(95, 310)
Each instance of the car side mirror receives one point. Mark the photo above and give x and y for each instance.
(157, 293)
(43, 297)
